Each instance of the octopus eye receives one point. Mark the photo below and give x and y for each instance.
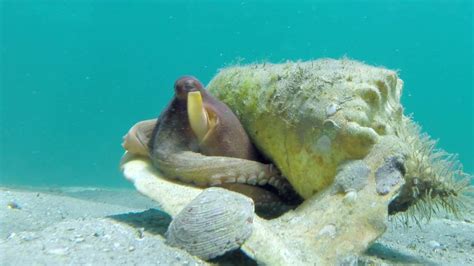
(186, 84)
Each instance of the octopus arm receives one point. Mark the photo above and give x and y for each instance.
(204, 170)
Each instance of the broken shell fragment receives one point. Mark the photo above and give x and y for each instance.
(215, 222)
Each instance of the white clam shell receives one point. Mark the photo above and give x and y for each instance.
(213, 223)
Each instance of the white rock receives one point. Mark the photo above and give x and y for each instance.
(434, 244)
(57, 251)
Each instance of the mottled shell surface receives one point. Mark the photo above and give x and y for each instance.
(311, 117)
(215, 222)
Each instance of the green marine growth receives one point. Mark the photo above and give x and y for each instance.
(310, 118)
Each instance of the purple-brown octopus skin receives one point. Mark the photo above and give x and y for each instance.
(225, 157)
(173, 133)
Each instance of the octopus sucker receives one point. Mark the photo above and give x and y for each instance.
(252, 180)
(230, 179)
(215, 182)
(209, 169)
(241, 179)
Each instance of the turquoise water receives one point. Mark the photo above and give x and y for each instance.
(75, 75)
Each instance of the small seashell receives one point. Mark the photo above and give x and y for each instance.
(331, 109)
(350, 197)
(213, 223)
(330, 125)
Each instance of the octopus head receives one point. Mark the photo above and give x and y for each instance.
(185, 85)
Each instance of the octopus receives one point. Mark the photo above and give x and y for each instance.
(198, 140)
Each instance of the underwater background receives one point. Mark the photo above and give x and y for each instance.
(76, 75)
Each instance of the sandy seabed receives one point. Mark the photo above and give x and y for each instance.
(95, 226)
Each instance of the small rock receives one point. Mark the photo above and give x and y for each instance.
(29, 237)
(434, 244)
(79, 240)
(131, 248)
(13, 205)
(57, 251)
(140, 232)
